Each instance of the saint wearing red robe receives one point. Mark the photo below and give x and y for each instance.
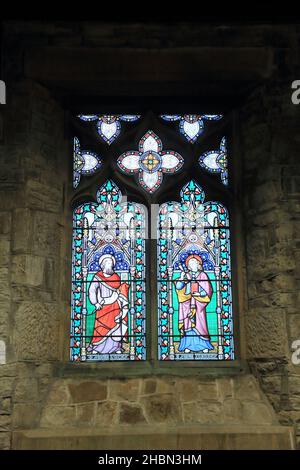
(110, 297)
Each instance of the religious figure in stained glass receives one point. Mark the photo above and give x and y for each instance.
(108, 278)
(191, 126)
(194, 291)
(110, 297)
(194, 279)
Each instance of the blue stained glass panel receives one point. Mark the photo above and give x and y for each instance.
(194, 279)
(108, 279)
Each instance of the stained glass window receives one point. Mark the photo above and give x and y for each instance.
(215, 161)
(194, 279)
(191, 126)
(150, 162)
(109, 126)
(85, 162)
(190, 267)
(108, 279)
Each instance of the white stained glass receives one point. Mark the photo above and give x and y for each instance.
(90, 162)
(211, 160)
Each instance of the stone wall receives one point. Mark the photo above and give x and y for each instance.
(270, 127)
(35, 249)
(33, 254)
(165, 401)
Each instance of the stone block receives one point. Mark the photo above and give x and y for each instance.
(266, 334)
(257, 413)
(187, 389)
(26, 390)
(58, 416)
(207, 390)
(46, 234)
(45, 197)
(35, 335)
(5, 423)
(247, 388)
(131, 414)
(5, 406)
(106, 413)
(294, 385)
(225, 388)
(21, 230)
(5, 223)
(5, 440)
(59, 394)
(28, 270)
(162, 408)
(148, 386)
(232, 411)
(25, 415)
(6, 386)
(85, 413)
(87, 391)
(4, 251)
(5, 287)
(124, 389)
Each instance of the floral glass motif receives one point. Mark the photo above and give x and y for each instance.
(84, 162)
(109, 126)
(150, 162)
(108, 279)
(194, 279)
(215, 161)
(191, 125)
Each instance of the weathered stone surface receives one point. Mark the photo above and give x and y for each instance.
(257, 413)
(148, 386)
(124, 389)
(28, 270)
(5, 406)
(131, 414)
(225, 388)
(59, 394)
(5, 222)
(26, 390)
(4, 251)
(106, 413)
(40, 196)
(85, 414)
(46, 234)
(5, 287)
(232, 411)
(6, 386)
(5, 440)
(162, 408)
(246, 387)
(267, 335)
(187, 389)
(58, 416)
(88, 391)
(22, 230)
(35, 334)
(25, 415)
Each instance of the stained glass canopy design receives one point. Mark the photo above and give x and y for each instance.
(191, 126)
(215, 161)
(84, 162)
(109, 126)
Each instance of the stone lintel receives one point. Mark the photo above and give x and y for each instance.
(136, 437)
